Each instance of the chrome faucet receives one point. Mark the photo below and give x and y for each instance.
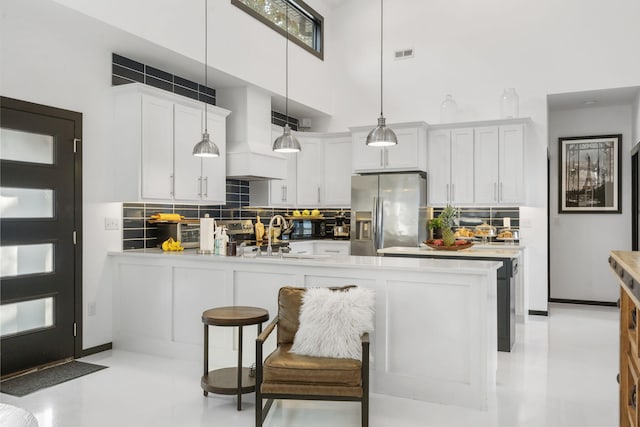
(283, 221)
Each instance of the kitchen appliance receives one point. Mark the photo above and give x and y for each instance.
(341, 230)
(186, 231)
(307, 228)
(387, 210)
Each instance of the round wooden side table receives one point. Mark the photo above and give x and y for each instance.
(230, 380)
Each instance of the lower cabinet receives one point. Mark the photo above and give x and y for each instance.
(320, 247)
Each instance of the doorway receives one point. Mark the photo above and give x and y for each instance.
(40, 235)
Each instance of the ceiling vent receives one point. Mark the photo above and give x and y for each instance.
(403, 54)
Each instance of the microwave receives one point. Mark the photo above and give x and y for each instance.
(188, 233)
(308, 228)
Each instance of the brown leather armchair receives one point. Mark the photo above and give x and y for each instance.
(286, 375)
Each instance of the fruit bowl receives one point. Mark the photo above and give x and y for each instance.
(460, 244)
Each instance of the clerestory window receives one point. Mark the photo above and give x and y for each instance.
(306, 26)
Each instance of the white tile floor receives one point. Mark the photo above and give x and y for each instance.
(561, 373)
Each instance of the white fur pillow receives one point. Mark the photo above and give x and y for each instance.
(331, 322)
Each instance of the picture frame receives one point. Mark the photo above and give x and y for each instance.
(589, 177)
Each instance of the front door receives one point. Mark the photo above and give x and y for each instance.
(40, 223)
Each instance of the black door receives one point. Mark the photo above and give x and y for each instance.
(40, 205)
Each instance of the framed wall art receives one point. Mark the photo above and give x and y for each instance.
(589, 174)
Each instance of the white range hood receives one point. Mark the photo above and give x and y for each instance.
(249, 155)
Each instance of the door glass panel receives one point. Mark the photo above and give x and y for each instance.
(25, 146)
(26, 259)
(26, 202)
(26, 316)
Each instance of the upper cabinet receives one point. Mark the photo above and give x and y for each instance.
(499, 160)
(154, 138)
(478, 163)
(408, 155)
(324, 170)
(450, 164)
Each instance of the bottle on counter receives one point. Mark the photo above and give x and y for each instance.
(224, 242)
(217, 234)
(259, 229)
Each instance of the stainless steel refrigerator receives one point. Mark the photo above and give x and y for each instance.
(387, 210)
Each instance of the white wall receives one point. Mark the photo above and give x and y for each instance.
(239, 45)
(580, 243)
(46, 64)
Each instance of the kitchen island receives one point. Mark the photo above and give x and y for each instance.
(435, 319)
(507, 282)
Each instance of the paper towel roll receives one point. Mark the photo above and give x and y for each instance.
(207, 226)
(506, 222)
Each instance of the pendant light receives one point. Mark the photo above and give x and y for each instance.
(206, 147)
(287, 142)
(381, 135)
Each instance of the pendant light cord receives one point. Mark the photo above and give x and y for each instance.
(286, 72)
(381, 29)
(206, 50)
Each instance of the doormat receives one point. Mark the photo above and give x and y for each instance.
(34, 381)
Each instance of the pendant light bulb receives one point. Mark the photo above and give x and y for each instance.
(206, 147)
(381, 135)
(287, 142)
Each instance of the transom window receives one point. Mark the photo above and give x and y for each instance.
(305, 24)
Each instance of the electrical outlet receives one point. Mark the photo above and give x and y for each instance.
(111, 224)
(91, 309)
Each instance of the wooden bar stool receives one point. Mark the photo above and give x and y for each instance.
(230, 380)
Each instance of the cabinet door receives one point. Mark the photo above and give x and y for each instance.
(332, 248)
(310, 169)
(337, 172)
(282, 192)
(511, 164)
(404, 155)
(486, 152)
(187, 171)
(214, 169)
(157, 148)
(365, 158)
(438, 165)
(462, 161)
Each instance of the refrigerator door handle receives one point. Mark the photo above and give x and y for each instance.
(374, 223)
(380, 226)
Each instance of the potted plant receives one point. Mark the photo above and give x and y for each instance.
(435, 225)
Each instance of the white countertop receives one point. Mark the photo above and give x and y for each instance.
(340, 261)
(470, 252)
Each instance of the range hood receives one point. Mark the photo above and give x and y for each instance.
(249, 139)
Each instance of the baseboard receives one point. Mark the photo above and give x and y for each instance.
(539, 312)
(96, 349)
(584, 302)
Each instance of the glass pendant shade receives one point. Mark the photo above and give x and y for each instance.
(381, 135)
(287, 142)
(206, 148)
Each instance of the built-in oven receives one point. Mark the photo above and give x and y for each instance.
(308, 228)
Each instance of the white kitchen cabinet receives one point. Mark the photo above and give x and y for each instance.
(310, 171)
(320, 247)
(337, 171)
(408, 155)
(499, 164)
(450, 166)
(276, 192)
(154, 137)
(324, 170)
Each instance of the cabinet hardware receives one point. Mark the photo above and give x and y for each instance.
(448, 193)
(495, 191)
(75, 329)
(332, 251)
(171, 185)
(632, 397)
(75, 237)
(501, 192)
(75, 144)
(284, 193)
(453, 192)
(386, 157)
(318, 194)
(206, 187)
(200, 186)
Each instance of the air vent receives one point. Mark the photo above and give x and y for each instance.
(403, 54)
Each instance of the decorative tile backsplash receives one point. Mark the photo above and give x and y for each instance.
(137, 233)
